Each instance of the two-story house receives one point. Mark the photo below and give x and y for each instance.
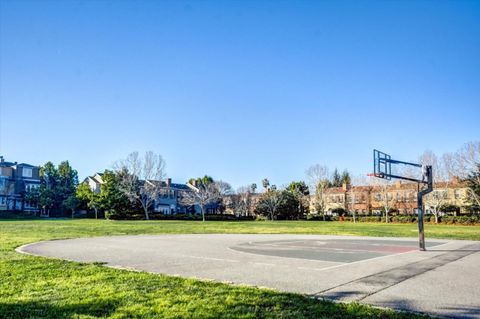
(16, 181)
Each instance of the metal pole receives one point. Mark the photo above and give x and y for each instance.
(421, 235)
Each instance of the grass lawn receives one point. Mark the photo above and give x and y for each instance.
(36, 287)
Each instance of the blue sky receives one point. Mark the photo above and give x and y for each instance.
(239, 90)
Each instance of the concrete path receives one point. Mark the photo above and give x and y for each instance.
(443, 281)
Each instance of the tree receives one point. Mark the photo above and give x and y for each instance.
(201, 180)
(71, 203)
(336, 179)
(265, 183)
(203, 195)
(112, 200)
(352, 197)
(243, 205)
(269, 204)
(383, 195)
(346, 179)
(317, 177)
(91, 199)
(467, 159)
(442, 177)
(301, 196)
(56, 186)
(473, 183)
(140, 178)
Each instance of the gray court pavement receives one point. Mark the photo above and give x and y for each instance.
(443, 281)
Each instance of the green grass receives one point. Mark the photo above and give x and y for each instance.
(36, 287)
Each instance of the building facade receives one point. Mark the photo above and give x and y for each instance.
(16, 181)
(398, 197)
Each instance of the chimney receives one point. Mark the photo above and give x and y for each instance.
(346, 186)
(1, 159)
(194, 183)
(398, 184)
(169, 182)
(455, 180)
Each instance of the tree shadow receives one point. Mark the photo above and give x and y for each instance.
(36, 309)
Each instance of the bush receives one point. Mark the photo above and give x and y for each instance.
(120, 215)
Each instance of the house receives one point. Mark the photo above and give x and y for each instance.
(16, 181)
(95, 182)
(168, 201)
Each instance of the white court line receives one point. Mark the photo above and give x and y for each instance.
(212, 258)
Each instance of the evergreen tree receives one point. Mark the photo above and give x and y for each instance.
(56, 186)
(346, 179)
(336, 179)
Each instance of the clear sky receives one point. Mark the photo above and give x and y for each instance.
(240, 90)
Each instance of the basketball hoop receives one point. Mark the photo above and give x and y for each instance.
(382, 168)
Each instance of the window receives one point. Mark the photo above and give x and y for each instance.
(457, 194)
(27, 172)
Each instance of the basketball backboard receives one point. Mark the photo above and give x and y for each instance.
(382, 167)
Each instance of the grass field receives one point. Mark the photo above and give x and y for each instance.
(35, 287)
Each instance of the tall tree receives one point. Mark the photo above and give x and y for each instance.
(265, 183)
(383, 195)
(346, 179)
(57, 185)
(317, 177)
(301, 196)
(336, 179)
(140, 178)
(467, 159)
(473, 183)
(244, 202)
(115, 203)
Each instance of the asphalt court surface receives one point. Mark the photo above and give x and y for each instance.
(335, 250)
(385, 272)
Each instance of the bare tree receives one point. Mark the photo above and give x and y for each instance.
(352, 198)
(317, 178)
(140, 178)
(467, 160)
(205, 194)
(382, 188)
(441, 169)
(272, 200)
(244, 203)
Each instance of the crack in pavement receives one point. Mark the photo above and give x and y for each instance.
(359, 289)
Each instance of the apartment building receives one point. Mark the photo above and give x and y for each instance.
(16, 180)
(399, 196)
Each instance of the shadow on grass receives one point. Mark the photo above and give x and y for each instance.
(36, 309)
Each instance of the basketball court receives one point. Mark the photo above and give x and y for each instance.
(386, 272)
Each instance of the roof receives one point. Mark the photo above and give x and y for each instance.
(172, 185)
(26, 165)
